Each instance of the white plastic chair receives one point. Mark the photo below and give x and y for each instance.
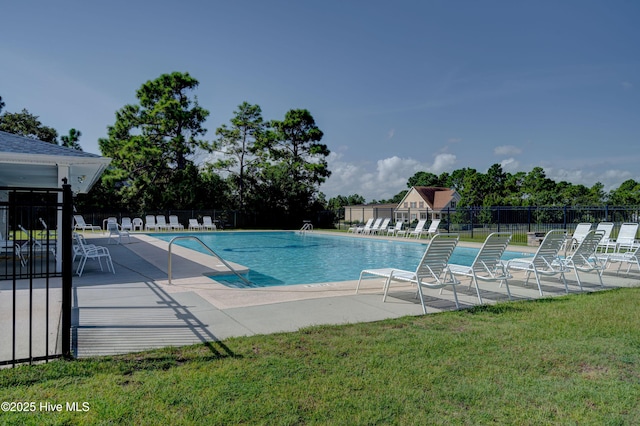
(161, 223)
(487, 265)
(150, 223)
(394, 230)
(82, 225)
(417, 231)
(583, 258)
(90, 251)
(115, 231)
(194, 225)
(174, 223)
(138, 224)
(432, 271)
(207, 223)
(126, 224)
(545, 261)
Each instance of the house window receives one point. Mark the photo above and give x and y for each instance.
(413, 217)
(422, 204)
(413, 204)
(423, 215)
(453, 204)
(406, 204)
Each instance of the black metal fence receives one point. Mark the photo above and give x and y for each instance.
(35, 274)
(479, 222)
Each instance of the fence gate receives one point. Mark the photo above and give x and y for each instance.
(35, 274)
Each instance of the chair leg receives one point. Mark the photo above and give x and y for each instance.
(455, 296)
(387, 283)
(358, 285)
(577, 279)
(506, 284)
(424, 308)
(83, 260)
(475, 281)
(538, 282)
(110, 261)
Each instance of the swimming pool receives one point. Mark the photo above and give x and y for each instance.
(286, 258)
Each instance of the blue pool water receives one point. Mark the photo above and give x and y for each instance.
(286, 258)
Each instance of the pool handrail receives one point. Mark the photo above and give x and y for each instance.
(193, 237)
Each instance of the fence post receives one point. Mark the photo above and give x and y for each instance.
(67, 267)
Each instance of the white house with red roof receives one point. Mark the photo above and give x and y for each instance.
(426, 202)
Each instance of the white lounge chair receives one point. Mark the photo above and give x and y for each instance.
(33, 245)
(629, 257)
(545, 261)
(117, 232)
(584, 259)
(366, 226)
(605, 227)
(432, 271)
(487, 266)
(394, 230)
(578, 235)
(174, 223)
(207, 223)
(383, 226)
(81, 225)
(417, 231)
(150, 223)
(373, 228)
(8, 246)
(161, 223)
(90, 251)
(433, 228)
(626, 239)
(194, 225)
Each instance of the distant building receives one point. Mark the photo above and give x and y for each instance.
(363, 212)
(426, 202)
(421, 202)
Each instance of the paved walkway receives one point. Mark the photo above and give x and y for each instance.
(138, 309)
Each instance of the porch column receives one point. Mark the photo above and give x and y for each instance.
(63, 172)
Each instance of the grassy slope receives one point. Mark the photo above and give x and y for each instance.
(568, 360)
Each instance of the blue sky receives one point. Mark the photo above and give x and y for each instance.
(396, 87)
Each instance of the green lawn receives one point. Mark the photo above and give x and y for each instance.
(566, 360)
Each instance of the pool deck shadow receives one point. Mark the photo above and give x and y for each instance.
(136, 308)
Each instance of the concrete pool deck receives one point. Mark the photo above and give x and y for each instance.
(137, 308)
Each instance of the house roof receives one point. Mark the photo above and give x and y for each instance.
(26, 162)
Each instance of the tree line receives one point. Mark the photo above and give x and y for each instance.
(499, 188)
(162, 161)
(264, 168)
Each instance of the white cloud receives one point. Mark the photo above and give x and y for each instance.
(384, 180)
(442, 162)
(388, 177)
(510, 165)
(507, 150)
(391, 133)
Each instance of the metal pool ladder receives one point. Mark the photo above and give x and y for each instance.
(307, 227)
(191, 237)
